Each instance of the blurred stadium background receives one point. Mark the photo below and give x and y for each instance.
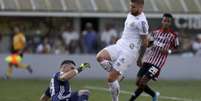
(47, 24)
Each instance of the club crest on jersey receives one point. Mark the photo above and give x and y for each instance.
(122, 60)
(118, 64)
(131, 46)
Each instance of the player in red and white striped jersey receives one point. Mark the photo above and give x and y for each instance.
(162, 42)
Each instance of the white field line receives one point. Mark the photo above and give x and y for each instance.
(130, 93)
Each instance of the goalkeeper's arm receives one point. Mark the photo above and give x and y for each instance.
(72, 73)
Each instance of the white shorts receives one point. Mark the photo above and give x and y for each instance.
(122, 56)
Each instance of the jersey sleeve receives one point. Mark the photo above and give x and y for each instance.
(57, 76)
(151, 36)
(143, 27)
(175, 42)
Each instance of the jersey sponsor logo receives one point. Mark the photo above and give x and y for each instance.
(122, 60)
(160, 44)
(131, 46)
(118, 63)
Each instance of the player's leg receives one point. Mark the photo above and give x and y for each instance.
(119, 66)
(113, 84)
(137, 92)
(104, 59)
(152, 71)
(144, 83)
(139, 89)
(9, 72)
(24, 66)
(107, 55)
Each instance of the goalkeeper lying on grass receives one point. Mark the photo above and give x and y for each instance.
(59, 89)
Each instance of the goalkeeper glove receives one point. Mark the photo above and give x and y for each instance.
(83, 66)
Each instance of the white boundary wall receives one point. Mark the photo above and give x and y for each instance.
(44, 66)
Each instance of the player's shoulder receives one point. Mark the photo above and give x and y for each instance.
(142, 17)
(56, 75)
(20, 35)
(157, 29)
(175, 34)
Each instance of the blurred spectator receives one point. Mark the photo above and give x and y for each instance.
(89, 39)
(58, 47)
(44, 47)
(34, 40)
(196, 45)
(70, 38)
(0, 36)
(109, 35)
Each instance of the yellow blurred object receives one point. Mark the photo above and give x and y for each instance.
(14, 59)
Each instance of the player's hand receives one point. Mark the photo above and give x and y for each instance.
(164, 51)
(84, 66)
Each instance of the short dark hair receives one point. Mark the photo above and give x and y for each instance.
(168, 15)
(68, 62)
(138, 1)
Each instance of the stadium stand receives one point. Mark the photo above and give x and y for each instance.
(71, 5)
(49, 16)
(121, 6)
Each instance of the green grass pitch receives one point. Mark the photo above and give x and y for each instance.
(31, 90)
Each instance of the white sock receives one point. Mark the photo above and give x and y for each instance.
(107, 65)
(115, 90)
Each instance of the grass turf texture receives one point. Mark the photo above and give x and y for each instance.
(31, 90)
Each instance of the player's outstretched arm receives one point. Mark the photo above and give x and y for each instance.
(72, 73)
(46, 96)
(144, 45)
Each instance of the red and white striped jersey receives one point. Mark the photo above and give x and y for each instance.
(161, 40)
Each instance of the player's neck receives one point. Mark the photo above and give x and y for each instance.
(136, 14)
(165, 29)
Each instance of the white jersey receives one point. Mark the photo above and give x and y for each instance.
(134, 27)
(125, 51)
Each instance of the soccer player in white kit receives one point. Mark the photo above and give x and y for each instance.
(116, 58)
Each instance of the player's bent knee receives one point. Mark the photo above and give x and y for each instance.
(99, 57)
(84, 92)
(113, 75)
(137, 83)
(111, 79)
(102, 55)
(142, 84)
